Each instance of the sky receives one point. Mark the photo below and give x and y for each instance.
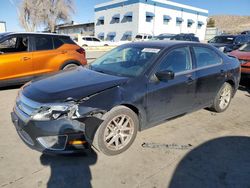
(84, 10)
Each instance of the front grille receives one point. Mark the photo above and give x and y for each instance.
(25, 107)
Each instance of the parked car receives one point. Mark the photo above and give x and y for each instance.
(131, 88)
(245, 32)
(90, 41)
(228, 43)
(243, 54)
(185, 37)
(164, 36)
(24, 56)
(143, 37)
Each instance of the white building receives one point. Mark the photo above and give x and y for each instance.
(124, 19)
(2, 26)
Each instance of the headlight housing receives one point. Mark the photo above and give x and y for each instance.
(55, 111)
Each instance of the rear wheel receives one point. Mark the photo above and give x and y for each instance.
(70, 66)
(117, 132)
(223, 98)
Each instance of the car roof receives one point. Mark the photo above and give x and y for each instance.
(164, 43)
(31, 33)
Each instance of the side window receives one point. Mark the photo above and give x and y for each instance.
(96, 40)
(43, 43)
(14, 44)
(206, 57)
(57, 43)
(178, 60)
(88, 39)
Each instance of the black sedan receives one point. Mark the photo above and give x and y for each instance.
(129, 89)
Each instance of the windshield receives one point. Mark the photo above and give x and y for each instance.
(223, 39)
(128, 61)
(245, 48)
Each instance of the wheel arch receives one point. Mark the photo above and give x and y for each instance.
(71, 61)
(139, 112)
(232, 83)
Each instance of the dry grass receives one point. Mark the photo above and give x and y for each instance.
(232, 24)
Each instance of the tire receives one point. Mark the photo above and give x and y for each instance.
(106, 45)
(85, 45)
(110, 137)
(70, 66)
(223, 98)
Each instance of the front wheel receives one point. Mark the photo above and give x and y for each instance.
(70, 66)
(117, 132)
(223, 98)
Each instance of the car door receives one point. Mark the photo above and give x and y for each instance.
(210, 72)
(44, 55)
(16, 58)
(166, 99)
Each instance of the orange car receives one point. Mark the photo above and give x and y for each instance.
(24, 56)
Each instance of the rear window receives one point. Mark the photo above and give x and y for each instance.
(67, 40)
(43, 43)
(57, 43)
(223, 39)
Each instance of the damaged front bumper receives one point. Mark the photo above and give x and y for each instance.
(60, 136)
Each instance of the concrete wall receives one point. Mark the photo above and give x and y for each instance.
(2, 27)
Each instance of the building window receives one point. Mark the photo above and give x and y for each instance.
(149, 16)
(128, 17)
(101, 36)
(100, 21)
(190, 22)
(200, 24)
(115, 19)
(127, 36)
(166, 19)
(179, 21)
(111, 36)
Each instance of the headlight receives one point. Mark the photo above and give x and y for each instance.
(54, 111)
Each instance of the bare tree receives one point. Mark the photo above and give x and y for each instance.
(55, 11)
(33, 13)
(30, 14)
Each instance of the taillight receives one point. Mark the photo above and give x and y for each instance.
(81, 51)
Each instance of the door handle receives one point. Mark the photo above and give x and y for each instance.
(64, 52)
(25, 58)
(190, 79)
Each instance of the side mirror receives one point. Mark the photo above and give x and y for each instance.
(165, 75)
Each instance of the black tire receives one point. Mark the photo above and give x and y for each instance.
(106, 45)
(85, 45)
(218, 105)
(70, 66)
(101, 141)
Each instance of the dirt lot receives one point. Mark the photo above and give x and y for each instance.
(202, 149)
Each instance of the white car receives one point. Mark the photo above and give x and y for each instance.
(90, 41)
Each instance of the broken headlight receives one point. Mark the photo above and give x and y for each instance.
(55, 111)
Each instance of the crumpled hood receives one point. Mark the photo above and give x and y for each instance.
(75, 84)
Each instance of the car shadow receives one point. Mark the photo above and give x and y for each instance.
(245, 86)
(11, 87)
(222, 162)
(70, 170)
